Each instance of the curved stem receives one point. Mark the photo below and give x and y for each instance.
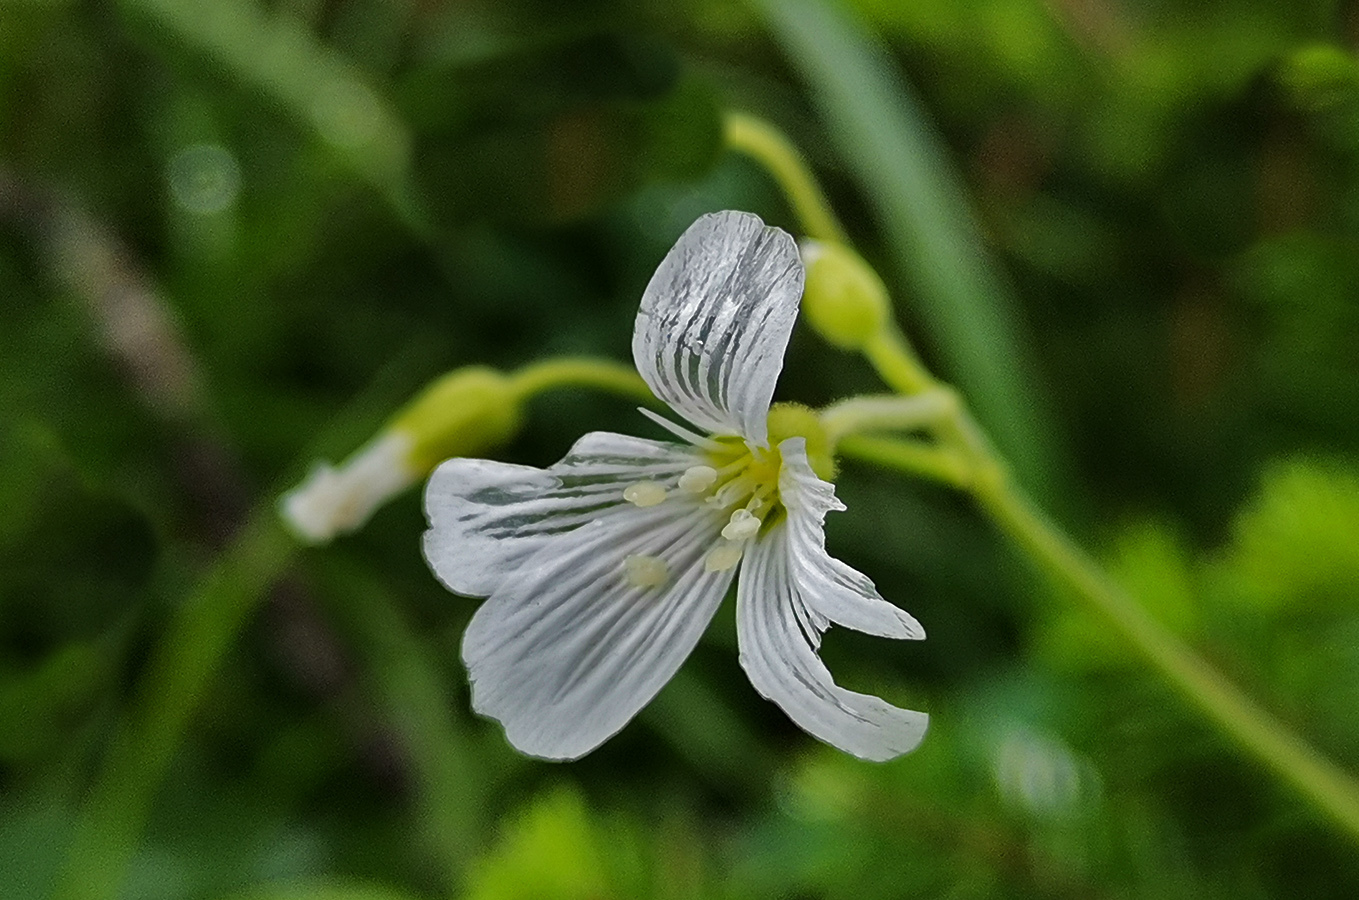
(1330, 789)
(890, 412)
(581, 371)
(965, 457)
(766, 144)
(967, 461)
(892, 356)
(915, 457)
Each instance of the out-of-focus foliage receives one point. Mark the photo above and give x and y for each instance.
(237, 235)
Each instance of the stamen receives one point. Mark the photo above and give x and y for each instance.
(680, 431)
(644, 571)
(724, 557)
(729, 493)
(742, 527)
(697, 479)
(644, 494)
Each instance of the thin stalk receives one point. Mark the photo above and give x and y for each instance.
(767, 145)
(1330, 790)
(603, 374)
(916, 457)
(888, 412)
(896, 363)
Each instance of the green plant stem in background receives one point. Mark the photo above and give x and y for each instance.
(768, 146)
(603, 374)
(1330, 790)
(916, 457)
(203, 630)
(965, 458)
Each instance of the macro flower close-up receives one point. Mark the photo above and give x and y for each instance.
(602, 571)
(346, 552)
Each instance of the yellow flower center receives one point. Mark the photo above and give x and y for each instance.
(740, 481)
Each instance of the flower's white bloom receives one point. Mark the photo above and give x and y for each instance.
(333, 501)
(602, 571)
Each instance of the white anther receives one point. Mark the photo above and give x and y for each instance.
(697, 479)
(743, 526)
(644, 494)
(724, 557)
(644, 571)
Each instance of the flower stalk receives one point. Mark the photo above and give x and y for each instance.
(960, 455)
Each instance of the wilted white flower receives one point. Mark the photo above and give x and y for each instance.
(602, 571)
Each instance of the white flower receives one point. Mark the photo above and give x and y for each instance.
(602, 571)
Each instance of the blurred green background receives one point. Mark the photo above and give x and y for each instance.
(236, 235)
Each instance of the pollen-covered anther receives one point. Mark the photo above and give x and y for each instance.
(742, 527)
(644, 571)
(644, 494)
(723, 558)
(697, 479)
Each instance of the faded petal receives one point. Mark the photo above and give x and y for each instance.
(715, 322)
(488, 518)
(830, 588)
(569, 647)
(778, 634)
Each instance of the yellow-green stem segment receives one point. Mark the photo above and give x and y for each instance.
(1329, 789)
(767, 145)
(568, 371)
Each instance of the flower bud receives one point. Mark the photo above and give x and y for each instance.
(844, 299)
(795, 420)
(463, 413)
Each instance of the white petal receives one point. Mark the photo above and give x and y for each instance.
(488, 518)
(570, 647)
(715, 321)
(778, 634)
(832, 589)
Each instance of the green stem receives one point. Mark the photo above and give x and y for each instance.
(172, 688)
(887, 413)
(603, 374)
(1330, 790)
(965, 457)
(891, 355)
(915, 457)
(768, 146)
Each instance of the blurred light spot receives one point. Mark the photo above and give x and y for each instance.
(1042, 775)
(204, 179)
(346, 114)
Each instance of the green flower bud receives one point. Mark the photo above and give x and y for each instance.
(795, 420)
(844, 300)
(464, 413)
